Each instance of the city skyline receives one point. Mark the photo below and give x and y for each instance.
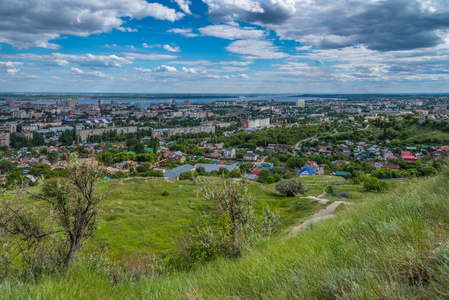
(224, 46)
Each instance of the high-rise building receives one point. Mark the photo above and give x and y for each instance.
(67, 103)
(141, 104)
(300, 103)
(173, 101)
(100, 102)
(186, 102)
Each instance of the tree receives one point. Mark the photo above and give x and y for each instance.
(227, 231)
(291, 187)
(53, 156)
(6, 166)
(275, 161)
(374, 184)
(74, 201)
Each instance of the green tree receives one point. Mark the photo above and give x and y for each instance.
(53, 156)
(291, 187)
(74, 201)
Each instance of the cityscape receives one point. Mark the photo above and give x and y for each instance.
(224, 149)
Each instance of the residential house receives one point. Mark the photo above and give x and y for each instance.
(250, 157)
(305, 172)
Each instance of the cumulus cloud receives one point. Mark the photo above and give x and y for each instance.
(184, 5)
(231, 32)
(34, 23)
(165, 68)
(174, 48)
(256, 49)
(89, 74)
(187, 32)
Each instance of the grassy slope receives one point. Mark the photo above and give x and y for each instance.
(420, 134)
(377, 249)
(143, 221)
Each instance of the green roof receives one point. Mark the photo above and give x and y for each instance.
(341, 173)
(149, 149)
(130, 152)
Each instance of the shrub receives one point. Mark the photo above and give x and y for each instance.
(165, 194)
(374, 184)
(291, 187)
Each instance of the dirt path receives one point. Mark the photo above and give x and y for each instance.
(323, 214)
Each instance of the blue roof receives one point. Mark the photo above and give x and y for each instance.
(176, 172)
(251, 176)
(209, 168)
(308, 170)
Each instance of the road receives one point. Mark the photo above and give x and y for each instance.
(334, 133)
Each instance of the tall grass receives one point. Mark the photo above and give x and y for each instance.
(390, 247)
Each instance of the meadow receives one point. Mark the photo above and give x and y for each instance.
(388, 246)
(137, 219)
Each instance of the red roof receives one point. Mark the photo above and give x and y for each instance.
(409, 158)
(406, 153)
(255, 172)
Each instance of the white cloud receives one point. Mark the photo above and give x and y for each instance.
(185, 32)
(89, 74)
(12, 71)
(126, 29)
(33, 23)
(242, 76)
(231, 32)
(165, 68)
(256, 49)
(174, 48)
(87, 60)
(145, 45)
(10, 64)
(184, 5)
(221, 6)
(148, 56)
(143, 70)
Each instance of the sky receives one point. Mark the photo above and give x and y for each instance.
(224, 46)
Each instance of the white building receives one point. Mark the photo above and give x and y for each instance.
(300, 103)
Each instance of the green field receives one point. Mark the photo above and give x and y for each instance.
(137, 219)
(393, 246)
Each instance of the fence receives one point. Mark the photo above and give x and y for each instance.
(337, 193)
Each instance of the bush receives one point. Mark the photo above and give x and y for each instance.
(165, 193)
(374, 184)
(291, 187)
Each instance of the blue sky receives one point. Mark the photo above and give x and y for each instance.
(224, 46)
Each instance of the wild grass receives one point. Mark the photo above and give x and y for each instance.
(391, 247)
(136, 219)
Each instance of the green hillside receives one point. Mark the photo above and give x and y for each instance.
(137, 219)
(390, 246)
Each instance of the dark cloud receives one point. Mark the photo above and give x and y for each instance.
(380, 25)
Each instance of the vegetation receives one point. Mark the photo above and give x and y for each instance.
(390, 247)
(291, 187)
(228, 231)
(73, 203)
